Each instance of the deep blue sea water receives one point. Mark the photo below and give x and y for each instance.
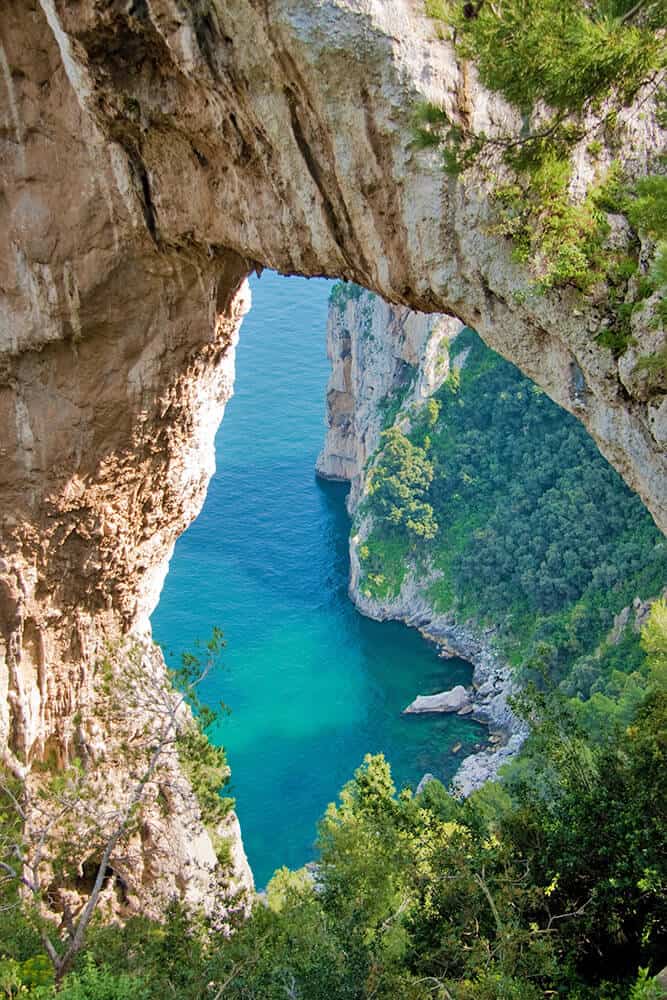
(312, 684)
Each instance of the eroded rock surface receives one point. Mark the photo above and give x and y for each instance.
(382, 357)
(152, 154)
(116, 362)
(283, 131)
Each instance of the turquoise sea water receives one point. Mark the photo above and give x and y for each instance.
(312, 685)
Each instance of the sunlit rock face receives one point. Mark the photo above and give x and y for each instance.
(382, 356)
(117, 360)
(154, 153)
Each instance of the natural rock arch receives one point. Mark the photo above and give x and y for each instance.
(153, 154)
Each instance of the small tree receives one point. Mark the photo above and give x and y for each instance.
(62, 831)
(399, 484)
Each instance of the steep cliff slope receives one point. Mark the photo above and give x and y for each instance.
(284, 132)
(382, 357)
(152, 155)
(526, 546)
(387, 361)
(116, 366)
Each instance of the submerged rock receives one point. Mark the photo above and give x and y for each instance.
(424, 782)
(446, 701)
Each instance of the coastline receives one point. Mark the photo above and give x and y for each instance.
(493, 683)
(385, 357)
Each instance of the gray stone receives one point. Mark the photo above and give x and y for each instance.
(424, 782)
(446, 701)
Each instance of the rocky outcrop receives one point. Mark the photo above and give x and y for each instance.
(283, 132)
(382, 356)
(116, 362)
(484, 765)
(152, 155)
(457, 699)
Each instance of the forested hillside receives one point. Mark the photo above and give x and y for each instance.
(503, 502)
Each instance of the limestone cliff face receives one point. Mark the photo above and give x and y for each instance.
(151, 155)
(382, 357)
(283, 131)
(116, 363)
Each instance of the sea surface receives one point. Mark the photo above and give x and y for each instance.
(312, 685)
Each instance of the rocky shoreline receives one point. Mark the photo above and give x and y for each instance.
(385, 356)
(493, 683)
(492, 686)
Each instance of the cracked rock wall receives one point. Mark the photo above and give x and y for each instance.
(283, 131)
(116, 364)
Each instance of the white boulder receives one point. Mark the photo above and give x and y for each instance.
(446, 701)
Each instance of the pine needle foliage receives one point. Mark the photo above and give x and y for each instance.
(569, 54)
(569, 68)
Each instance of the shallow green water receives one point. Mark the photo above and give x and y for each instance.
(312, 685)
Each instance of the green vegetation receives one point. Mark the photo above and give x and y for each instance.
(562, 241)
(551, 885)
(570, 55)
(569, 68)
(204, 763)
(582, 62)
(391, 404)
(208, 772)
(537, 534)
(62, 830)
(647, 211)
(343, 292)
(399, 480)
(384, 561)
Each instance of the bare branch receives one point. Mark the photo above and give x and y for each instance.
(82, 811)
(579, 912)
